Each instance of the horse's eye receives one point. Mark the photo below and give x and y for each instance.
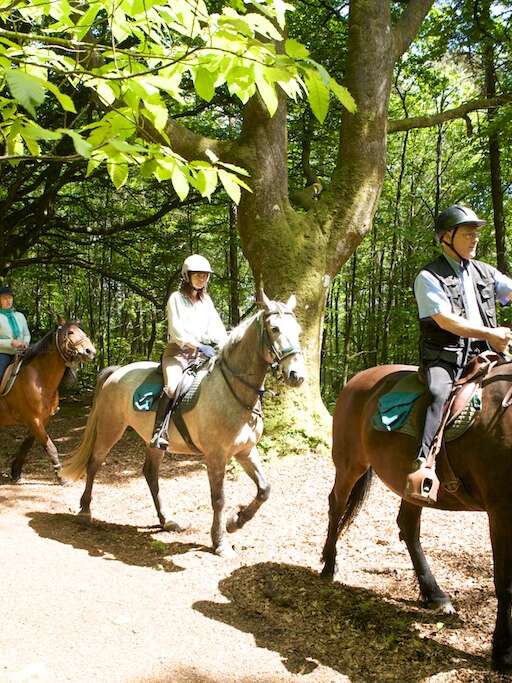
(275, 330)
(71, 332)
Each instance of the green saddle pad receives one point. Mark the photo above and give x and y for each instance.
(145, 396)
(399, 410)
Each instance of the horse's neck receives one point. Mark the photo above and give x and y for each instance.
(51, 368)
(244, 359)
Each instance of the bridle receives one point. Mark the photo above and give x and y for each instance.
(277, 355)
(66, 348)
(267, 347)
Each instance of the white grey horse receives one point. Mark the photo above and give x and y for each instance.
(226, 420)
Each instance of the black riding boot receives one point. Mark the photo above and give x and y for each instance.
(159, 439)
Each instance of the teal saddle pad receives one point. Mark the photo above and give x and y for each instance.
(399, 410)
(146, 395)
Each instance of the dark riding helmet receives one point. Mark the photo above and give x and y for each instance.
(6, 290)
(453, 217)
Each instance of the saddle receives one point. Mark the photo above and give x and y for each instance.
(423, 485)
(10, 374)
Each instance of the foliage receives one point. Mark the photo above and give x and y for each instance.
(118, 70)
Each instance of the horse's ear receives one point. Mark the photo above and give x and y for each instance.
(61, 320)
(292, 302)
(263, 299)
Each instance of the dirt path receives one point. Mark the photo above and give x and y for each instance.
(121, 601)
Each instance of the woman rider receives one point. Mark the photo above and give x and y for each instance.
(193, 327)
(14, 334)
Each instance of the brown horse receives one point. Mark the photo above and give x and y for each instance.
(481, 461)
(34, 397)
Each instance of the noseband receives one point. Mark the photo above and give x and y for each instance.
(68, 349)
(277, 355)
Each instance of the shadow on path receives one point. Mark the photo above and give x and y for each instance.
(354, 631)
(121, 542)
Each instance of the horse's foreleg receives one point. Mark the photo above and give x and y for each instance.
(500, 522)
(252, 465)
(409, 523)
(151, 471)
(216, 471)
(38, 430)
(19, 457)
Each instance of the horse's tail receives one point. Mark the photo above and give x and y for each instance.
(76, 464)
(355, 500)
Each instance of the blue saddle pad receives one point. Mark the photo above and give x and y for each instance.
(145, 396)
(393, 409)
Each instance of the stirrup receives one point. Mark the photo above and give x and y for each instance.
(422, 485)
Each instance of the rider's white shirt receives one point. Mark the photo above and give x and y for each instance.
(193, 323)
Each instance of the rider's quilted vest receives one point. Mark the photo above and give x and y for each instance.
(438, 344)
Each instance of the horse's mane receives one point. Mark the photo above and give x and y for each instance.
(237, 333)
(39, 347)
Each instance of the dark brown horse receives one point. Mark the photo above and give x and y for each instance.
(34, 397)
(481, 461)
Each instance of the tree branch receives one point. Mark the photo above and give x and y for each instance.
(408, 25)
(460, 112)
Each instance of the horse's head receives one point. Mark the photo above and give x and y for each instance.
(73, 344)
(280, 339)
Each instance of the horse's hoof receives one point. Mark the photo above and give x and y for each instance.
(16, 479)
(233, 524)
(329, 572)
(225, 550)
(61, 481)
(502, 664)
(173, 526)
(442, 605)
(84, 517)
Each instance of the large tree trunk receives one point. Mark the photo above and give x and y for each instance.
(300, 252)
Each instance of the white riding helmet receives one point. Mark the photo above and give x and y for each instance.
(195, 264)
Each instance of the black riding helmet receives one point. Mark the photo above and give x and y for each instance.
(455, 216)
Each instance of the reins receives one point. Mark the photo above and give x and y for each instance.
(277, 356)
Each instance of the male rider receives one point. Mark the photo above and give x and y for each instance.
(456, 297)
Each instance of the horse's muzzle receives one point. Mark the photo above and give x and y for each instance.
(88, 353)
(295, 379)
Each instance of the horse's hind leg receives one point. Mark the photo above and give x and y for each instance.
(500, 522)
(409, 523)
(151, 471)
(252, 465)
(107, 435)
(19, 457)
(344, 501)
(216, 471)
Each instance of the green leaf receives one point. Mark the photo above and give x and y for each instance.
(204, 83)
(206, 181)
(343, 95)
(118, 170)
(25, 89)
(295, 49)
(230, 185)
(180, 183)
(268, 94)
(92, 166)
(158, 114)
(81, 146)
(318, 95)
